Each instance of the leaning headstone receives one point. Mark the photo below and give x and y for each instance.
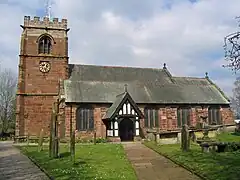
(40, 141)
(185, 139)
(155, 138)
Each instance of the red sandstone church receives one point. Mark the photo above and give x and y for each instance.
(119, 103)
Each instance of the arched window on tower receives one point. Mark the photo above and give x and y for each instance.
(45, 45)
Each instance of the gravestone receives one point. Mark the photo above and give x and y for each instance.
(40, 141)
(185, 139)
(237, 127)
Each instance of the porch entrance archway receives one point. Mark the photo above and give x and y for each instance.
(126, 130)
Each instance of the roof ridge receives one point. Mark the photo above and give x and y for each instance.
(129, 67)
(123, 82)
(190, 77)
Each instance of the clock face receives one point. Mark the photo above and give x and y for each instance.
(44, 67)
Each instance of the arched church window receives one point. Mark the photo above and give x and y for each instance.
(85, 119)
(45, 45)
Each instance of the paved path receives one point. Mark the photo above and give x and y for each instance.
(15, 166)
(149, 165)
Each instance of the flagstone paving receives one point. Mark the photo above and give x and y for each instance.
(16, 166)
(149, 165)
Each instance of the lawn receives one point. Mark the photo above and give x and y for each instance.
(229, 137)
(100, 161)
(212, 166)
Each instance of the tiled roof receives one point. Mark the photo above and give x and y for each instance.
(89, 83)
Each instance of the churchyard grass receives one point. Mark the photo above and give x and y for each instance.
(212, 166)
(229, 137)
(100, 161)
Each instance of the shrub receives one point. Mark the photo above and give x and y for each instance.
(233, 146)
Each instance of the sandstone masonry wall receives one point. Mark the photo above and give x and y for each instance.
(167, 119)
(37, 91)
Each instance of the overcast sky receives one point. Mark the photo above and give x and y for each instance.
(187, 35)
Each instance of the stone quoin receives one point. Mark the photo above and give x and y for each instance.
(121, 103)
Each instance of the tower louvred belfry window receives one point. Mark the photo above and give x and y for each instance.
(45, 45)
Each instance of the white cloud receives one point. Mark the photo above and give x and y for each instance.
(187, 36)
(141, 51)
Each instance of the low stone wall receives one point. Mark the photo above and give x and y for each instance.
(165, 138)
(229, 128)
(169, 140)
(174, 137)
(211, 134)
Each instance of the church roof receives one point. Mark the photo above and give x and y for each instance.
(101, 84)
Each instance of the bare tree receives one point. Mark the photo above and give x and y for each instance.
(235, 100)
(8, 82)
(232, 50)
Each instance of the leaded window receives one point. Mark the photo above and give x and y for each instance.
(85, 119)
(45, 45)
(183, 116)
(151, 117)
(214, 116)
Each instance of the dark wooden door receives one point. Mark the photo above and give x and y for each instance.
(126, 130)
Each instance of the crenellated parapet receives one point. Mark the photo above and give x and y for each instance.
(45, 22)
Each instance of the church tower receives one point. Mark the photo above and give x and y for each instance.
(43, 61)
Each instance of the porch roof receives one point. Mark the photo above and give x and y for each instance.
(117, 104)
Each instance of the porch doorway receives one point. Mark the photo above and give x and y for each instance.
(126, 130)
